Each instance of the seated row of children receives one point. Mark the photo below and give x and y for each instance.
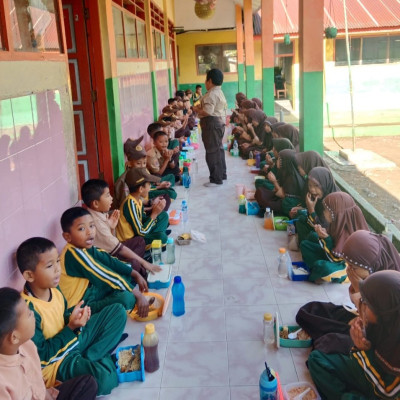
(72, 311)
(356, 352)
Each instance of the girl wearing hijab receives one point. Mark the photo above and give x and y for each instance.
(270, 163)
(328, 324)
(288, 187)
(320, 183)
(240, 97)
(372, 370)
(287, 131)
(321, 250)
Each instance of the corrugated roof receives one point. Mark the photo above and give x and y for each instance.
(362, 15)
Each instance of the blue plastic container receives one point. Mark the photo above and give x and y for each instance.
(134, 375)
(178, 297)
(299, 277)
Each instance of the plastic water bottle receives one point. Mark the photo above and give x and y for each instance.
(251, 155)
(150, 346)
(156, 251)
(268, 219)
(269, 331)
(283, 263)
(235, 149)
(186, 178)
(185, 214)
(170, 251)
(178, 297)
(258, 160)
(195, 166)
(242, 204)
(268, 384)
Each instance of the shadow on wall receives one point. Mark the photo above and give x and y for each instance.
(33, 175)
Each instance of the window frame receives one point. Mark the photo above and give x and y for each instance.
(8, 53)
(221, 45)
(126, 11)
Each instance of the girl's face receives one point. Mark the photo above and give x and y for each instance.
(255, 123)
(328, 216)
(276, 154)
(360, 272)
(274, 135)
(314, 188)
(367, 314)
(279, 163)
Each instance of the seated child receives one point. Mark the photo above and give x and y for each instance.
(96, 196)
(133, 220)
(137, 158)
(19, 361)
(372, 369)
(160, 160)
(197, 95)
(91, 274)
(69, 344)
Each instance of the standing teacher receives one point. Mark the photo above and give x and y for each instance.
(211, 112)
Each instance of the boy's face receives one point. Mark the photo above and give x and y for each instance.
(47, 272)
(82, 232)
(25, 328)
(144, 190)
(141, 163)
(105, 201)
(161, 143)
(198, 90)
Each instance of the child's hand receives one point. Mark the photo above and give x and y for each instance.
(269, 159)
(311, 202)
(357, 335)
(176, 150)
(142, 304)
(271, 177)
(164, 185)
(153, 268)
(79, 316)
(293, 211)
(158, 208)
(113, 219)
(141, 282)
(321, 232)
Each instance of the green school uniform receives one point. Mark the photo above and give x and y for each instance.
(65, 354)
(96, 277)
(319, 258)
(357, 376)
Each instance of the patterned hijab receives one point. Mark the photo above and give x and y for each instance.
(371, 252)
(381, 292)
(346, 218)
(289, 176)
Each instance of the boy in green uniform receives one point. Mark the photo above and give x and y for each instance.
(92, 274)
(69, 344)
(133, 221)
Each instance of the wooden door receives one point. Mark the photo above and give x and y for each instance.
(84, 94)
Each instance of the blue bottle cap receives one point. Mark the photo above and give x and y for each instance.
(184, 202)
(177, 279)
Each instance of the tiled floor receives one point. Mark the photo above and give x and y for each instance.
(215, 351)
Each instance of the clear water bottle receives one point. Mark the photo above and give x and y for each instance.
(195, 166)
(268, 219)
(185, 214)
(150, 347)
(186, 180)
(235, 149)
(178, 297)
(251, 155)
(170, 251)
(283, 263)
(156, 251)
(269, 331)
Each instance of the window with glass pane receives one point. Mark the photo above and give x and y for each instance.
(282, 48)
(130, 37)
(374, 50)
(223, 57)
(35, 25)
(163, 51)
(141, 35)
(118, 33)
(341, 52)
(394, 48)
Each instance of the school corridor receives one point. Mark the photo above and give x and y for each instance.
(215, 351)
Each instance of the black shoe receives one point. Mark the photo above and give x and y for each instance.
(168, 231)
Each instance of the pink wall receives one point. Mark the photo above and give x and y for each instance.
(136, 104)
(33, 175)
(162, 89)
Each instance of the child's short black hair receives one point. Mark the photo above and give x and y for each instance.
(70, 215)
(92, 190)
(9, 299)
(180, 93)
(171, 100)
(198, 86)
(154, 127)
(28, 252)
(216, 76)
(158, 134)
(135, 188)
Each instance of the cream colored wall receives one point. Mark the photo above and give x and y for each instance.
(187, 53)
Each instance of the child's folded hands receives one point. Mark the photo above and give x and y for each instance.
(79, 316)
